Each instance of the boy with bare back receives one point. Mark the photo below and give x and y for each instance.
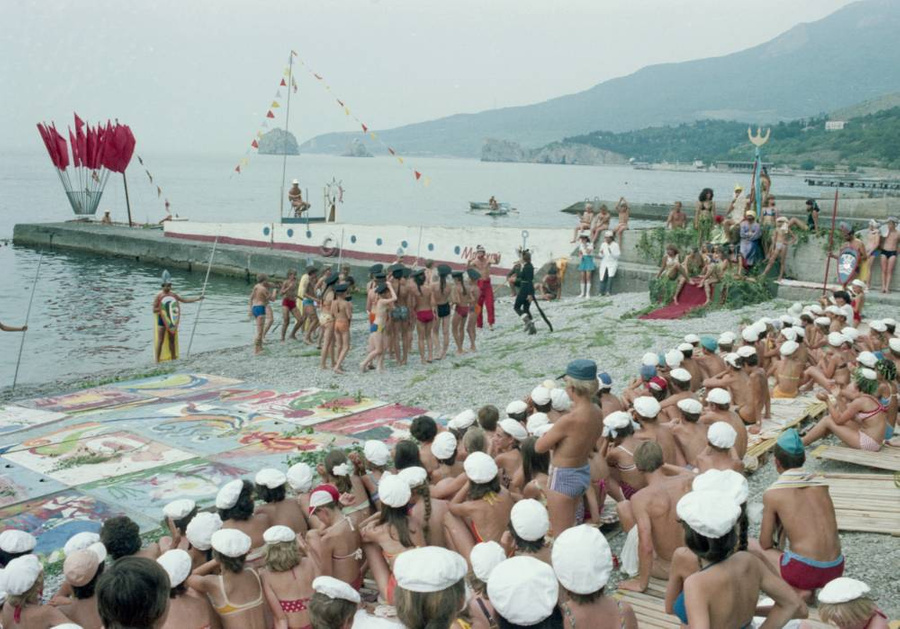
(288, 292)
(259, 299)
(307, 294)
(342, 313)
(442, 293)
(423, 294)
(571, 443)
(737, 382)
(377, 338)
(888, 253)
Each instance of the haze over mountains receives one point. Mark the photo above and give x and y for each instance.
(850, 56)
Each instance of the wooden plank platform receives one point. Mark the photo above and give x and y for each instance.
(887, 458)
(865, 502)
(785, 414)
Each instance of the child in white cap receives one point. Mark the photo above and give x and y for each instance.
(427, 510)
(377, 457)
(583, 563)
(177, 515)
(199, 535)
(505, 448)
(689, 433)
(718, 409)
(271, 489)
(337, 469)
(480, 510)
(861, 423)
(392, 534)
(236, 593)
(720, 453)
(431, 587)
(15, 543)
(333, 604)
(529, 524)
(300, 478)
(82, 569)
(625, 479)
(444, 447)
(524, 592)
(288, 577)
(484, 558)
(235, 506)
(846, 603)
(185, 609)
(725, 591)
(647, 412)
(24, 577)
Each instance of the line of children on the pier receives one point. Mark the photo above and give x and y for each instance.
(480, 524)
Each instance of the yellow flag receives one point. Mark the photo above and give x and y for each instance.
(274, 105)
(400, 159)
(259, 134)
(347, 110)
(245, 161)
(287, 72)
(427, 182)
(373, 135)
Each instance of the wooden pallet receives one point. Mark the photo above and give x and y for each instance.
(887, 458)
(865, 502)
(650, 608)
(804, 408)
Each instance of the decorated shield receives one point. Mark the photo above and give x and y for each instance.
(848, 265)
(171, 312)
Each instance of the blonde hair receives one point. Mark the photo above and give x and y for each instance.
(282, 556)
(849, 614)
(583, 388)
(30, 597)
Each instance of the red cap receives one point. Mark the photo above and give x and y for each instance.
(657, 383)
(314, 501)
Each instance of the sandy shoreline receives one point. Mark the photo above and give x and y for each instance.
(506, 367)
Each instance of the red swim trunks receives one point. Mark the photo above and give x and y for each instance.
(425, 316)
(808, 574)
(290, 304)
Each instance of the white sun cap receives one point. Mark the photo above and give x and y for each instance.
(582, 559)
(710, 513)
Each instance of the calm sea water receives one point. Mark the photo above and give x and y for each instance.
(93, 313)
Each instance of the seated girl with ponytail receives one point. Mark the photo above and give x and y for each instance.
(427, 510)
(338, 470)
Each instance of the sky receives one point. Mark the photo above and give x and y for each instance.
(197, 76)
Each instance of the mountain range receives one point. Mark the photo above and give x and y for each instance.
(849, 56)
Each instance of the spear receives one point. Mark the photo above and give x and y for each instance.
(830, 243)
(202, 294)
(27, 315)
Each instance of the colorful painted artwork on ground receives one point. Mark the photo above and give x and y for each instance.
(147, 491)
(79, 454)
(176, 386)
(388, 423)
(307, 407)
(85, 401)
(54, 519)
(18, 418)
(273, 445)
(18, 484)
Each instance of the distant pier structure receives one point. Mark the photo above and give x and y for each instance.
(738, 166)
(856, 183)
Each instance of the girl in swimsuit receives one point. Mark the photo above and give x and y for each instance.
(424, 508)
(861, 424)
(442, 294)
(481, 509)
(339, 470)
(378, 341)
(622, 225)
(860, 612)
(479, 610)
(625, 479)
(278, 507)
(326, 323)
(342, 312)
(287, 579)
(887, 372)
(234, 583)
(387, 535)
(460, 299)
(535, 472)
(703, 216)
(473, 293)
(242, 518)
(186, 611)
(337, 546)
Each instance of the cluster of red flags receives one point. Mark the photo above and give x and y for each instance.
(107, 146)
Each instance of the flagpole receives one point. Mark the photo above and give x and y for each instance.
(287, 119)
(830, 244)
(203, 293)
(27, 317)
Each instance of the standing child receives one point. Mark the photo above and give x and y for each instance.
(377, 339)
(781, 239)
(259, 299)
(474, 295)
(586, 267)
(342, 312)
(289, 304)
(167, 329)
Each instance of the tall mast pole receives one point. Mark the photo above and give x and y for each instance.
(287, 119)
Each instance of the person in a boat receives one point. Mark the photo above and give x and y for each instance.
(493, 203)
(295, 196)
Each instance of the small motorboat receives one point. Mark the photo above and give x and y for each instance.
(502, 209)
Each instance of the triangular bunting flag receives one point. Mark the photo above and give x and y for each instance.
(149, 176)
(365, 128)
(427, 182)
(294, 84)
(167, 205)
(270, 114)
(317, 76)
(158, 192)
(373, 135)
(283, 83)
(293, 53)
(237, 169)
(287, 72)
(274, 104)
(254, 144)
(245, 161)
(340, 102)
(259, 134)
(140, 160)
(417, 174)
(400, 159)
(391, 151)
(347, 110)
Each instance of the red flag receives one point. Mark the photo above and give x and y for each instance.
(237, 169)
(62, 151)
(418, 174)
(76, 156)
(283, 84)
(254, 144)
(158, 192)
(270, 114)
(79, 123)
(365, 128)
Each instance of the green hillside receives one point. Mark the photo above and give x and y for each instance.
(872, 140)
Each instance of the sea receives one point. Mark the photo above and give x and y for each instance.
(91, 313)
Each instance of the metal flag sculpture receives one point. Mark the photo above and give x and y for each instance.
(96, 152)
(758, 140)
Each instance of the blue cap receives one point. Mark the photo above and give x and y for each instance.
(582, 369)
(604, 379)
(647, 371)
(790, 441)
(661, 358)
(709, 343)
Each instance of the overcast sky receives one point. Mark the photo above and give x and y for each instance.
(198, 75)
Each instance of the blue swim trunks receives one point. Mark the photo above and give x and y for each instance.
(570, 481)
(309, 302)
(259, 311)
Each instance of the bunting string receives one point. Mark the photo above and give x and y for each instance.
(276, 104)
(159, 190)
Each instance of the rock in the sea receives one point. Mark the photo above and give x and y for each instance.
(556, 153)
(276, 141)
(356, 149)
